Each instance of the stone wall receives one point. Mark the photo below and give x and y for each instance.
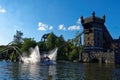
(117, 58)
(101, 57)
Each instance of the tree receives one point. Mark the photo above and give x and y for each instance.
(41, 44)
(28, 43)
(18, 37)
(18, 40)
(50, 43)
(60, 41)
(73, 55)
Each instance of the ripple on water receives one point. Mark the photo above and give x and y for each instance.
(61, 71)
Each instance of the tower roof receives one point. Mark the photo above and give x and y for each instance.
(93, 18)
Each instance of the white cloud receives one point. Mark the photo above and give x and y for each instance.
(44, 27)
(2, 10)
(51, 27)
(62, 27)
(74, 27)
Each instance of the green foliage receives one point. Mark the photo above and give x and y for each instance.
(73, 55)
(41, 44)
(19, 45)
(53, 41)
(50, 43)
(61, 52)
(2, 47)
(13, 56)
(67, 50)
(28, 43)
(62, 55)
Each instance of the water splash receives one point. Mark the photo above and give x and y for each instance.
(34, 56)
(53, 54)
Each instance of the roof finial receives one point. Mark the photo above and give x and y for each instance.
(81, 19)
(93, 13)
(104, 18)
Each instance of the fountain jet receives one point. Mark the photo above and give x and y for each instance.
(34, 56)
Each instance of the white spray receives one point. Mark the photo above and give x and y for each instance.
(53, 54)
(34, 56)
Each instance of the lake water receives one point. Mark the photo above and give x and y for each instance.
(61, 71)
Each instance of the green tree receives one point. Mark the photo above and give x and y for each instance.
(41, 44)
(73, 55)
(60, 41)
(18, 37)
(50, 43)
(61, 44)
(28, 43)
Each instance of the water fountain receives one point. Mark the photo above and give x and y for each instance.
(35, 57)
(49, 58)
(53, 54)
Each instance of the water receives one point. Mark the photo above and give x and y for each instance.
(61, 71)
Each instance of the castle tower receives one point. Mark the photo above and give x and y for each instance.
(96, 36)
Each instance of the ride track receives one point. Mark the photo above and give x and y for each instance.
(10, 50)
(6, 52)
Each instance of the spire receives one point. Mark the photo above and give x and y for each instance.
(104, 18)
(93, 14)
(81, 19)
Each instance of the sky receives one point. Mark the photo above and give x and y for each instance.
(62, 17)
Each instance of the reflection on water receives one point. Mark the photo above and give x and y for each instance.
(61, 71)
(29, 71)
(70, 71)
(99, 71)
(52, 72)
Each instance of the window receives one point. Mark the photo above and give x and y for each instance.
(97, 33)
(88, 38)
(98, 43)
(88, 43)
(98, 38)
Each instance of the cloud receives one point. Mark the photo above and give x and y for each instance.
(2, 10)
(70, 28)
(62, 27)
(74, 27)
(51, 27)
(44, 27)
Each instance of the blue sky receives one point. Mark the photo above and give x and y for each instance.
(37, 17)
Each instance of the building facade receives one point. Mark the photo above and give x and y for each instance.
(96, 35)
